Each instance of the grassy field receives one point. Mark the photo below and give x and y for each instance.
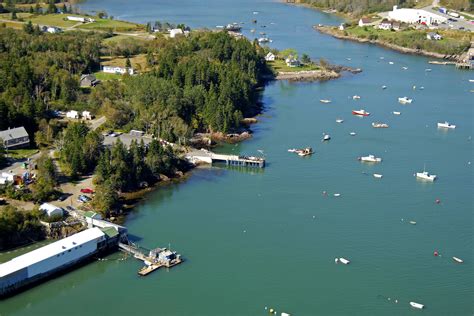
(279, 65)
(21, 153)
(20, 15)
(102, 76)
(138, 62)
(453, 42)
(114, 25)
(58, 20)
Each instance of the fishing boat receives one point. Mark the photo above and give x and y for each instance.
(305, 152)
(412, 222)
(360, 112)
(325, 101)
(356, 97)
(339, 120)
(352, 133)
(396, 113)
(446, 125)
(264, 40)
(417, 305)
(384, 87)
(326, 137)
(458, 260)
(404, 100)
(404, 68)
(234, 27)
(337, 194)
(379, 125)
(391, 62)
(370, 158)
(425, 175)
(471, 80)
(344, 261)
(378, 175)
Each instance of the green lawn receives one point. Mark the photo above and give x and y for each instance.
(20, 15)
(279, 65)
(114, 25)
(106, 76)
(58, 20)
(21, 153)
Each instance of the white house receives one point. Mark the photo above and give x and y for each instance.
(87, 115)
(385, 25)
(270, 57)
(365, 22)
(51, 209)
(72, 114)
(7, 178)
(433, 36)
(292, 61)
(52, 29)
(415, 16)
(118, 70)
(15, 137)
(176, 32)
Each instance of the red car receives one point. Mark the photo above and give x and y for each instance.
(87, 191)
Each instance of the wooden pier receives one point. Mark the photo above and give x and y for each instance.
(206, 156)
(157, 258)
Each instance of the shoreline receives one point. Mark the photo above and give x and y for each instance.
(405, 50)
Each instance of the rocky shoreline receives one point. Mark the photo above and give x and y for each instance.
(308, 75)
(338, 34)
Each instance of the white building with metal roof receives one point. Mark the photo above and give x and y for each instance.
(51, 209)
(15, 137)
(42, 262)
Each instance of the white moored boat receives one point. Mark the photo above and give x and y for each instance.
(379, 125)
(339, 120)
(404, 100)
(325, 101)
(326, 137)
(264, 40)
(446, 125)
(457, 260)
(345, 261)
(352, 133)
(417, 305)
(370, 158)
(356, 97)
(378, 175)
(396, 113)
(425, 176)
(384, 87)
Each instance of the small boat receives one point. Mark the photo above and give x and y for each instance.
(379, 125)
(446, 125)
(471, 80)
(404, 68)
(384, 87)
(304, 152)
(428, 69)
(422, 88)
(360, 112)
(252, 31)
(391, 62)
(293, 150)
(425, 175)
(348, 58)
(337, 194)
(326, 137)
(417, 305)
(343, 260)
(396, 113)
(404, 100)
(458, 260)
(255, 12)
(352, 133)
(325, 101)
(339, 120)
(370, 158)
(414, 87)
(378, 175)
(234, 27)
(356, 97)
(264, 40)
(412, 222)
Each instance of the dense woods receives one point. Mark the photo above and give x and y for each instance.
(16, 227)
(358, 7)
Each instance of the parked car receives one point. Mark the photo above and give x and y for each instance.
(83, 199)
(87, 191)
(63, 197)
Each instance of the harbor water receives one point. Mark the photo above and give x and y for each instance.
(268, 238)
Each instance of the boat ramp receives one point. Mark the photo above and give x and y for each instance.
(206, 156)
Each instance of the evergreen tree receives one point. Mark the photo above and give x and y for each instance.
(28, 27)
(46, 179)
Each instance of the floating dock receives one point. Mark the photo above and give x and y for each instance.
(206, 156)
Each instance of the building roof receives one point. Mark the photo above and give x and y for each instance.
(48, 207)
(13, 133)
(111, 232)
(366, 20)
(49, 251)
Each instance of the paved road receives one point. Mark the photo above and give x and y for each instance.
(455, 25)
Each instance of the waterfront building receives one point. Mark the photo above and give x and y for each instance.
(45, 261)
(270, 57)
(365, 22)
(292, 62)
(386, 25)
(15, 138)
(415, 16)
(51, 210)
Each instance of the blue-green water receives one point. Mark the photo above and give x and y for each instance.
(254, 239)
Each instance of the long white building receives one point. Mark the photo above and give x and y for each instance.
(415, 16)
(43, 262)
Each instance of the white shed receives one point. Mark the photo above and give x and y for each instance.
(270, 57)
(176, 32)
(72, 114)
(51, 209)
(87, 115)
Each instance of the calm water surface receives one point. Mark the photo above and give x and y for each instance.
(269, 238)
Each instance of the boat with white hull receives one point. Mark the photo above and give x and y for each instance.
(446, 124)
(370, 158)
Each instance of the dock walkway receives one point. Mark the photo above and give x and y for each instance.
(209, 157)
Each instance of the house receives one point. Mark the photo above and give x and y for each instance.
(118, 70)
(51, 210)
(292, 62)
(270, 57)
(86, 115)
(396, 26)
(342, 27)
(176, 32)
(51, 29)
(415, 16)
(88, 80)
(7, 178)
(365, 22)
(433, 36)
(386, 25)
(72, 114)
(15, 137)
